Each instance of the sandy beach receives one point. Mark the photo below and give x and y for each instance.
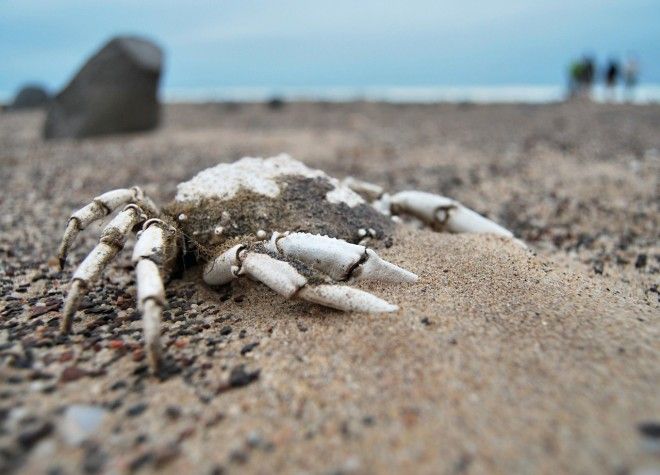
(501, 360)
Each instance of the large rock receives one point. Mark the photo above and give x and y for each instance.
(114, 92)
(30, 96)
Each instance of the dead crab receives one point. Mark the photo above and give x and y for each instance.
(229, 216)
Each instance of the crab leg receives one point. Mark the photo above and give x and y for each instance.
(101, 206)
(337, 258)
(111, 242)
(444, 213)
(284, 279)
(150, 253)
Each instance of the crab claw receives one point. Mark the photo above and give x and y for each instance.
(345, 298)
(284, 279)
(444, 213)
(337, 258)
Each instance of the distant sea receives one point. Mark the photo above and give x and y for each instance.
(644, 94)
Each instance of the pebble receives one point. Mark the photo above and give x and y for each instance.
(173, 412)
(641, 261)
(72, 373)
(650, 430)
(94, 459)
(249, 347)
(29, 437)
(39, 310)
(136, 409)
(80, 421)
(239, 377)
(140, 461)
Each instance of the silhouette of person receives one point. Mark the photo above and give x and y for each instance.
(630, 76)
(611, 78)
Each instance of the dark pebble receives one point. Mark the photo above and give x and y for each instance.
(165, 455)
(28, 438)
(226, 330)
(173, 412)
(121, 384)
(650, 429)
(598, 267)
(136, 410)
(641, 261)
(217, 470)
(239, 377)
(113, 405)
(238, 456)
(249, 347)
(425, 321)
(140, 461)
(140, 370)
(94, 459)
(40, 310)
(72, 373)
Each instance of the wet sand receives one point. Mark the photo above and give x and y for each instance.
(500, 360)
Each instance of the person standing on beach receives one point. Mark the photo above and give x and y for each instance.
(611, 78)
(575, 79)
(589, 74)
(630, 74)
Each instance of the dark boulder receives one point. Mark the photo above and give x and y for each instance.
(30, 96)
(116, 91)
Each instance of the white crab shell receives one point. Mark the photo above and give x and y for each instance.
(257, 175)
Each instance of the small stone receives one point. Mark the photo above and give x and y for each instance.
(94, 459)
(140, 461)
(39, 310)
(166, 455)
(226, 330)
(238, 456)
(80, 421)
(181, 342)
(641, 261)
(239, 377)
(136, 409)
(650, 430)
(249, 347)
(173, 412)
(137, 355)
(217, 470)
(598, 267)
(254, 440)
(72, 373)
(116, 344)
(29, 437)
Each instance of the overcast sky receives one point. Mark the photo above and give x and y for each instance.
(332, 42)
